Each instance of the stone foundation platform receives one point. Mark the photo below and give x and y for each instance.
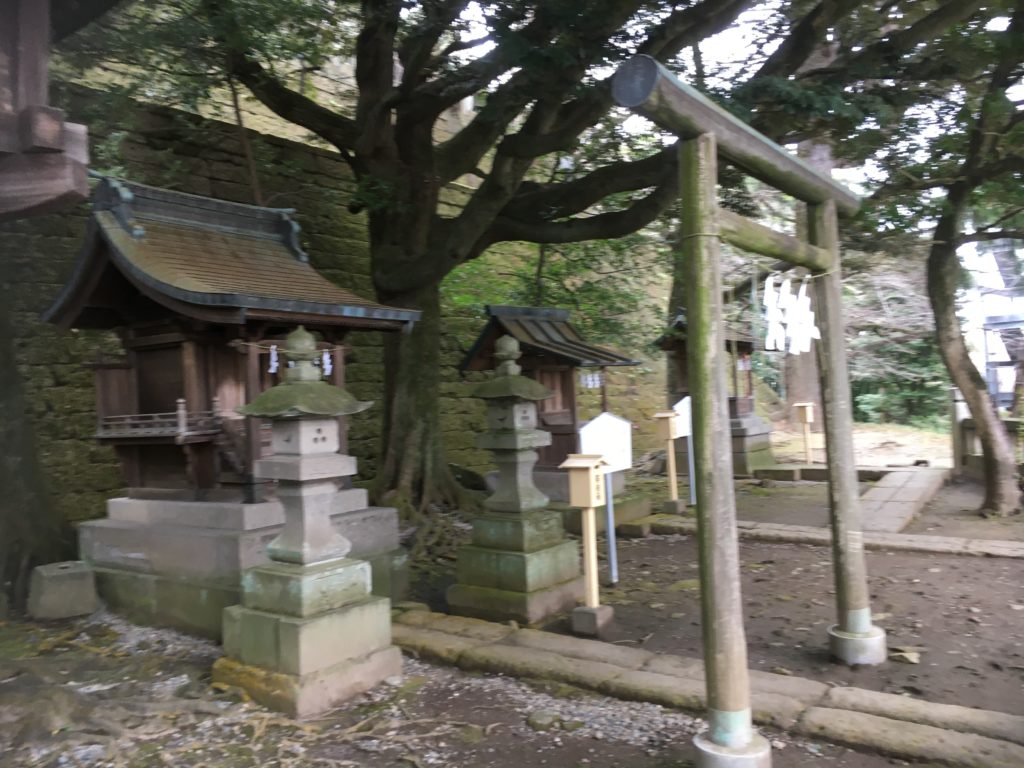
(179, 563)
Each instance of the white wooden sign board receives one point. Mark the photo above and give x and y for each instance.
(684, 427)
(609, 436)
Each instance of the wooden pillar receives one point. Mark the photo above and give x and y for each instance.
(854, 639)
(253, 426)
(338, 380)
(725, 647)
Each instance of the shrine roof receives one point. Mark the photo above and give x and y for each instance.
(734, 331)
(207, 258)
(543, 331)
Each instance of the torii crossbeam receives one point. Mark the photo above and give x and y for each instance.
(706, 133)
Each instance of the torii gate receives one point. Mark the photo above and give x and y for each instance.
(706, 132)
(42, 158)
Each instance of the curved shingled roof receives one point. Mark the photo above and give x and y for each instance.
(215, 260)
(539, 330)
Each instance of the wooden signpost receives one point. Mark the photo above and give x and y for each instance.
(610, 437)
(805, 415)
(668, 431)
(586, 491)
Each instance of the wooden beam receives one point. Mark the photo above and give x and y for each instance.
(646, 87)
(725, 645)
(757, 238)
(32, 185)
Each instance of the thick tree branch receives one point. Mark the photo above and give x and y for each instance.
(271, 92)
(891, 48)
(691, 25)
(416, 51)
(991, 234)
(602, 226)
(375, 76)
(805, 37)
(556, 201)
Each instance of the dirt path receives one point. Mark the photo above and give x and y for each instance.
(963, 615)
(874, 445)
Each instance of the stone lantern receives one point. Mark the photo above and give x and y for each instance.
(520, 565)
(308, 633)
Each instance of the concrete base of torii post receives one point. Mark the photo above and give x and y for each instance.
(757, 753)
(858, 648)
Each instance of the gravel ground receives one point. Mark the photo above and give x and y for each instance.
(102, 693)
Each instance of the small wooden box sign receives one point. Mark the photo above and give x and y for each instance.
(668, 426)
(804, 412)
(586, 479)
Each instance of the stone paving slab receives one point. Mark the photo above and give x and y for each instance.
(904, 739)
(896, 725)
(996, 725)
(802, 534)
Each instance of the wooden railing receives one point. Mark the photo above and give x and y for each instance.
(179, 423)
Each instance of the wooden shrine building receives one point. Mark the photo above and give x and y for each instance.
(740, 347)
(751, 434)
(553, 350)
(198, 291)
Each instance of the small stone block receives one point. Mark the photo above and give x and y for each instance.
(305, 590)
(527, 532)
(308, 695)
(591, 622)
(518, 571)
(309, 645)
(301, 468)
(677, 507)
(637, 529)
(258, 643)
(523, 607)
(232, 631)
(62, 591)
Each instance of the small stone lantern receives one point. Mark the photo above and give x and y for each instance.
(308, 634)
(520, 565)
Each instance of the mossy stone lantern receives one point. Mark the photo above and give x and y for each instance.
(520, 565)
(308, 634)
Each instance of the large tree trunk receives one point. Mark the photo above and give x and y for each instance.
(413, 471)
(1002, 493)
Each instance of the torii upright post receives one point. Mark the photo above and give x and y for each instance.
(854, 639)
(731, 739)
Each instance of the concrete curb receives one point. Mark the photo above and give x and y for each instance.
(895, 725)
(801, 534)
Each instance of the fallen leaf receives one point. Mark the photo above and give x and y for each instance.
(907, 657)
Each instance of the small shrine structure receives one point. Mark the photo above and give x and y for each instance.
(201, 292)
(751, 434)
(552, 351)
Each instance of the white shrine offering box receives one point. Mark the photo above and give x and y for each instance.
(668, 425)
(804, 412)
(586, 479)
(610, 437)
